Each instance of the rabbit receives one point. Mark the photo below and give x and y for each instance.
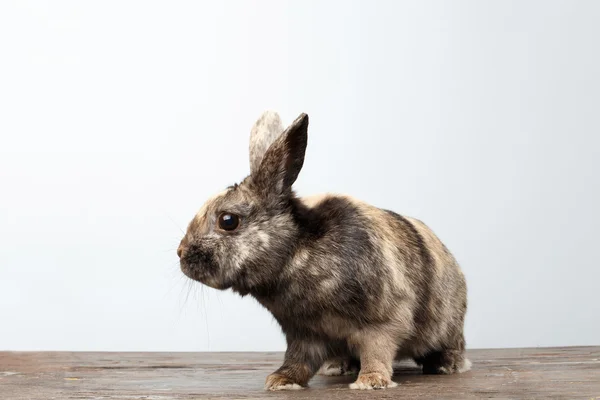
(350, 284)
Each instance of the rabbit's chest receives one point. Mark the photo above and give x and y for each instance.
(306, 315)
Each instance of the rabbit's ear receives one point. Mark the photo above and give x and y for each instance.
(283, 160)
(264, 132)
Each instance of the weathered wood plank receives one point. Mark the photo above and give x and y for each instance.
(559, 373)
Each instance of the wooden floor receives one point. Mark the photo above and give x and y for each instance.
(556, 373)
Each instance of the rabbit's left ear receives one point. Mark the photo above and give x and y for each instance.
(264, 132)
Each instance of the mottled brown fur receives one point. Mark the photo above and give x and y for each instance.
(345, 280)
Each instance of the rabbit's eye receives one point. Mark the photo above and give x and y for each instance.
(228, 221)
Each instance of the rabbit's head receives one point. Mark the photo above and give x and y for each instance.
(242, 237)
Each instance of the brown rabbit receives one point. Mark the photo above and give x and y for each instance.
(349, 283)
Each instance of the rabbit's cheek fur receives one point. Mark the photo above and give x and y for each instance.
(258, 254)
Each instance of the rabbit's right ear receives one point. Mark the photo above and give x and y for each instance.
(264, 132)
(282, 161)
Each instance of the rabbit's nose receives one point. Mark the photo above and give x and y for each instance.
(179, 251)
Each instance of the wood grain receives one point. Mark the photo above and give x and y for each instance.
(544, 373)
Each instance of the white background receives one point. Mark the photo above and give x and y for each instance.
(119, 118)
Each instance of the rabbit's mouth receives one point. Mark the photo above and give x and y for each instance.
(204, 276)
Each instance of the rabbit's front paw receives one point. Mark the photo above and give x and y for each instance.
(281, 382)
(372, 380)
